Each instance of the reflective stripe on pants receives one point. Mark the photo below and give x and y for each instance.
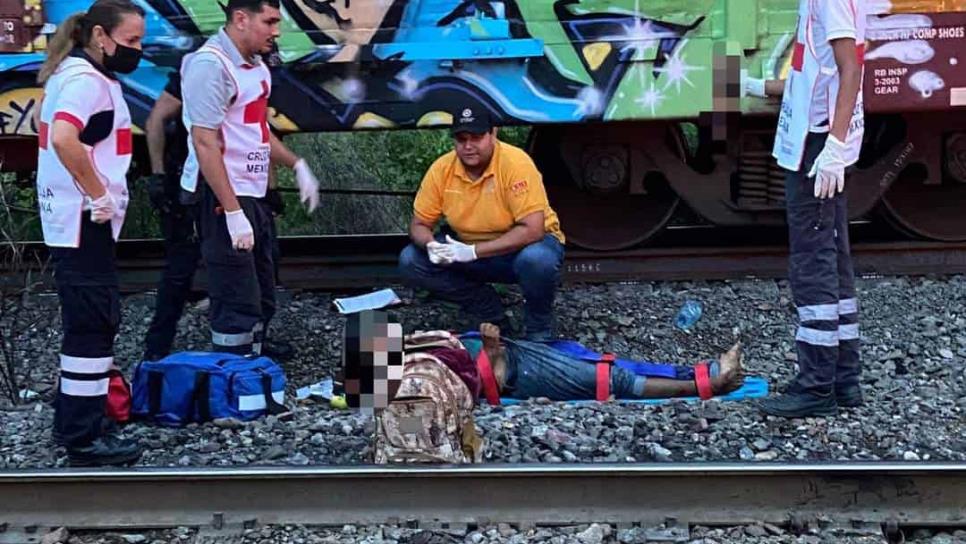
(822, 281)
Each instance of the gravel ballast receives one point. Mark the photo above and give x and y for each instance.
(914, 349)
(597, 533)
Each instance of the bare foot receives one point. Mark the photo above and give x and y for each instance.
(490, 334)
(731, 374)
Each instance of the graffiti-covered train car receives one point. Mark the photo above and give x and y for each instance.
(636, 104)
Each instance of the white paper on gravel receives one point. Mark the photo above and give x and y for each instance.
(369, 301)
(321, 389)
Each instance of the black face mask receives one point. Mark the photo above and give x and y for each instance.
(124, 60)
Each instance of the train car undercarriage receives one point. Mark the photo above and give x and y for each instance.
(618, 185)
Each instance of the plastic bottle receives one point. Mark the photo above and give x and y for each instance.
(689, 315)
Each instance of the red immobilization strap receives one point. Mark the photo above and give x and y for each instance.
(603, 376)
(490, 388)
(702, 379)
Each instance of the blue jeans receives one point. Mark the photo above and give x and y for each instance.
(535, 369)
(536, 268)
(566, 370)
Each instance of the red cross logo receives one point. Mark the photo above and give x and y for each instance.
(257, 112)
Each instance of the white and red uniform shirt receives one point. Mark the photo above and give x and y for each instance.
(243, 128)
(92, 100)
(808, 104)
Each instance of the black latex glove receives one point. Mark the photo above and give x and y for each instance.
(157, 193)
(275, 201)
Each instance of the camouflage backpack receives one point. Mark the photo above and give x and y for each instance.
(430, 420)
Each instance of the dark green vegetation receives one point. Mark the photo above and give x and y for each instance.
(366, 160)
(379, 160)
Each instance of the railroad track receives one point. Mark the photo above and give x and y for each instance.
(347, 263)
(893, 495)
(362, 261)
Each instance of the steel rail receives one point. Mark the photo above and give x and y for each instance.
(907, 494)
(360, 261)
(378, 267)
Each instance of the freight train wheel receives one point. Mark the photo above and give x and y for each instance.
(929, 199)
(603, 185)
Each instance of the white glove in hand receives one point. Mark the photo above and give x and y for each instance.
(103, 208)
(829, 169)
(308, 185)
(240, 230)
(752, 86)
(458, 252)
(438, 253)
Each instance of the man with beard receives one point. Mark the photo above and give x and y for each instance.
(500, 228)
(225, 86)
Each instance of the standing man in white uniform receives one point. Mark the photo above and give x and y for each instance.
(820, 131)
(225, 90)
(84, 141)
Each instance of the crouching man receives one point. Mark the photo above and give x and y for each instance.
(501, 228)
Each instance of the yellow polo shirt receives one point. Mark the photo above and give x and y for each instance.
(510, 189)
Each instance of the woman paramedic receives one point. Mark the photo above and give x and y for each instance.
(85, 150)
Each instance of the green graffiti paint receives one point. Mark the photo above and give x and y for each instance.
(542, 23)
(667, 11)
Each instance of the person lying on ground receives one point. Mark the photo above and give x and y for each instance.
(565, 370)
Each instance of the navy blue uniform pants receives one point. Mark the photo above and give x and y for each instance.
(181, 230)
(90, 308)
(822, 281)
(241, 284)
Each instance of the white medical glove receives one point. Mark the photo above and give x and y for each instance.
(752, 86)
(240, 230)
(829, 169)
(308, 185)
(103, 208)
(458, 252)
(438, 253)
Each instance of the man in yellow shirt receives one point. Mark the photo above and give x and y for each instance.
(500, 228)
